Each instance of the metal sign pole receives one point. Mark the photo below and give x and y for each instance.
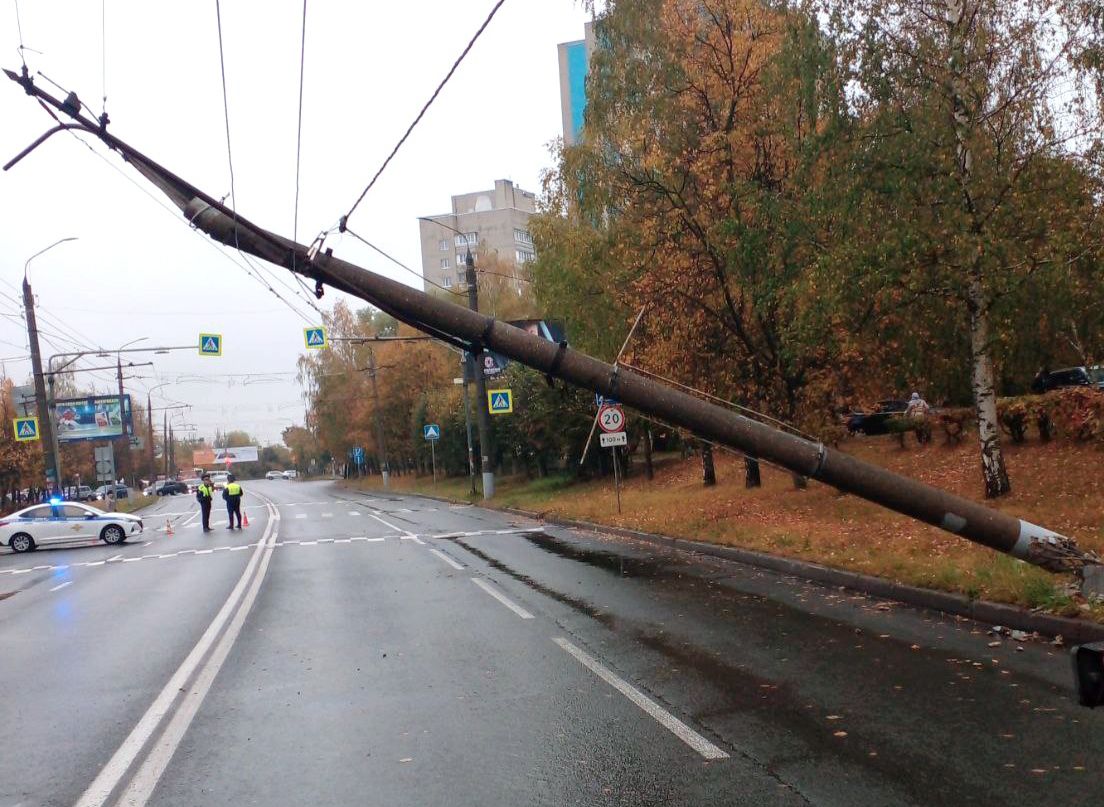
(433, 453)
(617, 479)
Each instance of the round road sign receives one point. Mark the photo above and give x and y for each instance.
(611, 419)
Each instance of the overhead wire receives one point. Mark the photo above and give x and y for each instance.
(424, 109)
(399, 263)
(19, 27)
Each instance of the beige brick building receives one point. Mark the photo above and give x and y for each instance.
(493, 221)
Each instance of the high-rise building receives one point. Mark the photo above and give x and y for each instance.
(574, 66)
(491, 222)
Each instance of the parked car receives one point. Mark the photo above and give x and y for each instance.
(83, 493)
(192, 483)
(63, 522)
(1046, 381)
(121, 492)
(874, 422)
(276, 475)
(170, 487)
(291, 473)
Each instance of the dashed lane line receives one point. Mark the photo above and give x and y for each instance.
(502, 598)
(706, 749)
(446, 558)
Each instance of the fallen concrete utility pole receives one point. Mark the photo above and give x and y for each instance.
(472, 330)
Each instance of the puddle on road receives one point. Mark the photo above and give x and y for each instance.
(612, 562)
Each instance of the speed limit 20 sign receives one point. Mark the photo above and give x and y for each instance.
(611, 419)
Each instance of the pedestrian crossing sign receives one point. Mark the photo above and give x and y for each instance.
(431, 431)
(210, 344)
(26, 429)
(315, 338)
(500, 401)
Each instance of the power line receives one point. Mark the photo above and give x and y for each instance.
(19, 27)
(226, 111)
(428, 103)
(299, 130)
(397, 262)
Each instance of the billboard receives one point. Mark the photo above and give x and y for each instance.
(97, 417)
(494, 363)
(208, 457)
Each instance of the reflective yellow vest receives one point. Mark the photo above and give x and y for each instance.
(233, 489)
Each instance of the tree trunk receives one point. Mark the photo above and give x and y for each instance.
(993, 469)
(709, 473)
(649, 470)
(752, 479)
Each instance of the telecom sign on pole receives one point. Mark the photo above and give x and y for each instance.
(315, 338)
(26, 429)
(210, 344)
(500, 401)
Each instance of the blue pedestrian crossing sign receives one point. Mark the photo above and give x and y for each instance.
(500, 401)
(315, 338)
(358, 455)
(431, 431)
(26, 429)
(210, 344)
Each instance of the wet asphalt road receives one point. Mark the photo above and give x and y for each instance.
(363, 649)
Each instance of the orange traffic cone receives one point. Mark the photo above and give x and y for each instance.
(245, 518)
(169, 527)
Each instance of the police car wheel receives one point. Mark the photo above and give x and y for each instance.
(113, 534)
(21, 542)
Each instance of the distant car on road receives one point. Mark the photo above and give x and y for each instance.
(63, 522)
(83, 493)
(170, 487)
(121, 492)
(192, 483)
(875, 421)
(1069, 377)
(291, 473)
(276, 475)
(219, 481)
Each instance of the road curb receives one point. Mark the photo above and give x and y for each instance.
(1073, 631)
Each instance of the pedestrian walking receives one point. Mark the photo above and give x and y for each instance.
(232, 494)
(917, 406)
(205, 492)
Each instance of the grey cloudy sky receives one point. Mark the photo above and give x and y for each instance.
(137, 271)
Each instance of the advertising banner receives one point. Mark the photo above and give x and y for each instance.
(98, 417)
(210, 457)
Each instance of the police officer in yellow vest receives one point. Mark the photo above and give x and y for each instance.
(205, 492)
(232, 493)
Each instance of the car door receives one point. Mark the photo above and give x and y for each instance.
(77, 523)
(44, 524)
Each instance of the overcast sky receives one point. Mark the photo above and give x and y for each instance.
(137, 271)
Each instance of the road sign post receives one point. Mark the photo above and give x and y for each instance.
(611, 420)
(105, 471)
(432, 433)
(315, 338)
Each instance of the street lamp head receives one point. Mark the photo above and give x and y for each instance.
(47, 249)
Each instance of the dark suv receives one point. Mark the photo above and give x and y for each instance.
(1069, 377)
(874, 422)
(171, 488)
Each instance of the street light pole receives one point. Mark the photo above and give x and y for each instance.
(385, 469)
(483, 415)
(45, 426)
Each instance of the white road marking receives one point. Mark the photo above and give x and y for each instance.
(308, 543)
(412, 537)
(404, 535)
(63, 585)
(446, 558)
(374, 540)
(327, 515)
(705, 748)
(342, 540)
(502, 598)
(354, 512)
(325, 540)
(204, 551)
(300, 515)
(240, 548)
(117, 557)
(133, 560)
(145, 780)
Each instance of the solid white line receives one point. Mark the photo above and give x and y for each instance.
(661, 715)
(142, 785)
(112, 773)
(308, 543)
(63, 585)
(502, 598)
(373, 540)
(446, 558)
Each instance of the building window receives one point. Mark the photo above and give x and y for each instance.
(443, 245)
(448, 281)
(524, 255)
(445, 263)
(462, 260)
(523, 237)
(467, 239)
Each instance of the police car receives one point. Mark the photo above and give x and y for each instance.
(65, 522)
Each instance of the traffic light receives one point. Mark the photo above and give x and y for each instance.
(1088, 673)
